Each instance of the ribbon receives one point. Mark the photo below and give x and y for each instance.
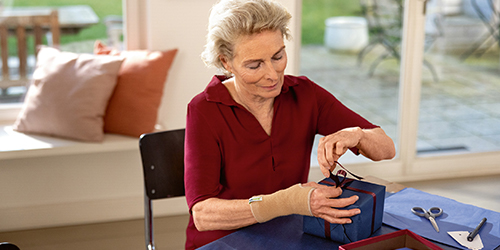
(343, 173)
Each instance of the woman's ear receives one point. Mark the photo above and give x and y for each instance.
(225, 63)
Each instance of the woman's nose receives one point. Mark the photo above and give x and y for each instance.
(271, 71)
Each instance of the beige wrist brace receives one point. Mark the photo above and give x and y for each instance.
(293, 200)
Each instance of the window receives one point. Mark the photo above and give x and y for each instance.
(345, 51)
(101, 22)
(439, 103)
(459, 112)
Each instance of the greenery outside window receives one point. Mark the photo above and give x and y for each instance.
(81, 41)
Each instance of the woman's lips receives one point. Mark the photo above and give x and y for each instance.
(270, 87)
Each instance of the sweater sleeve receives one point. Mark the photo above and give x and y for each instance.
(334, 116)
(202, 160)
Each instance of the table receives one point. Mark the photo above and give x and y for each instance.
(72, 18)
(282, 233)
(287, 233)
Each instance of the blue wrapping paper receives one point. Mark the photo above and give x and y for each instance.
(456, 217)
(363, 224)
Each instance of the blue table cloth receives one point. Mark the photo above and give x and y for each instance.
(286, 232)
(282, 233)
(456, 217)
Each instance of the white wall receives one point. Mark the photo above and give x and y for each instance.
(87, 188)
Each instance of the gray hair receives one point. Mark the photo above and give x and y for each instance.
(229, 19)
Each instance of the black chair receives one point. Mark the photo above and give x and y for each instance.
(8, 246)
(162, 156)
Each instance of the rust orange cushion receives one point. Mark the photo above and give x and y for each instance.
(133, 107)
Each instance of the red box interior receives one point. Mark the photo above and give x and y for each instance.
(398, 239)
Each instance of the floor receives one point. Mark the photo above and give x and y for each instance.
(123, 235)
(169, 231)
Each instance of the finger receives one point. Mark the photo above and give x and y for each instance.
(323, 192)
(340, 148)
(343, 213)
(329, 152)
(341, 216)
(323, 163)
(334, 191)
(335, 220)
(342, 202)
(325, 170)
(336, 214)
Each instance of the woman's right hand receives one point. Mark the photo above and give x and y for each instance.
(324, 207)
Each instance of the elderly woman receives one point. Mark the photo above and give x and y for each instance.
(250, 133)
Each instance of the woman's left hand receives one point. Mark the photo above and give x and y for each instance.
(325, 203)
(333, 146)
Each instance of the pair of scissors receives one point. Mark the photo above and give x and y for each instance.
(430, 215)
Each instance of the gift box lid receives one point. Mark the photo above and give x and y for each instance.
(399, 239)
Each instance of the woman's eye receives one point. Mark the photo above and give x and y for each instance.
(279, 56)
(254, 65)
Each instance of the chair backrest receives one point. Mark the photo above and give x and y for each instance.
(162, 156)
(19, 26)
(8, 246)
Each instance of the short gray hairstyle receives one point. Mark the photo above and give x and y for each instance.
(229, 19)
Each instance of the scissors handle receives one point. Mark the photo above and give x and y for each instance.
(435, 211)
(420, 211)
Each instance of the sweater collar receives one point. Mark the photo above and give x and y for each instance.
(217, 92)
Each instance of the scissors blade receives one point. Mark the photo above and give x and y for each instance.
(434, 224)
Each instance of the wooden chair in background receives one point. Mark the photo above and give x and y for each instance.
(20, 27)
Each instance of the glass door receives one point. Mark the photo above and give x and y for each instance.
(460, 98)
(352, 49)
(438, 102)
(454, 118)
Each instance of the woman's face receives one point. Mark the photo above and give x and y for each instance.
(259, 64)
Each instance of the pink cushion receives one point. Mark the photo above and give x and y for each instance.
(69, 95)
(133, 107)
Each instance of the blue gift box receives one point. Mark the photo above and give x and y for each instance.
(371, 204)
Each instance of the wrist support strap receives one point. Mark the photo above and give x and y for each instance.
(293, 200)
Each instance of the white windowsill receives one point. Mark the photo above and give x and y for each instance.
(15, 145)
(9, 112)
